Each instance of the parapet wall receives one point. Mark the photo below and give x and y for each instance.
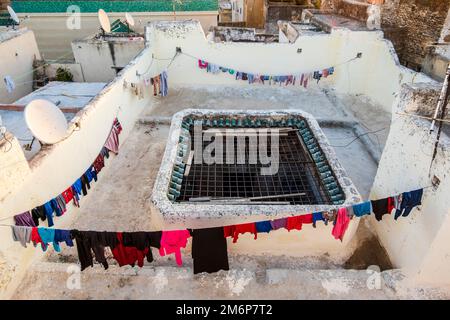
(418, 243)
(58, 166)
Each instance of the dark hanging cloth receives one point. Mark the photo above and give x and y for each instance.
(209, 250)
(410, 200)
(24, 220)
(88, 241)
(142, 241)
(380, 208)
(37, 214)
(85, 184)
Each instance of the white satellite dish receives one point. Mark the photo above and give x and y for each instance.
(129, 18)
(46, 121)
(104, 20)
(13, 14)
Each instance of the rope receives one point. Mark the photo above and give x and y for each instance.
(336, 65)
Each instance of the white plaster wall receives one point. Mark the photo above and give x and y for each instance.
(420, 241)
(54, 37)
(54, 169)
(97, 57)
(16, 60)
(377, 74)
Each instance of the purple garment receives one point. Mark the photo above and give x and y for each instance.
(278, 223)
(24, 220)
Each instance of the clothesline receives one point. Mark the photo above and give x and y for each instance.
(209, 246)
(297, 72)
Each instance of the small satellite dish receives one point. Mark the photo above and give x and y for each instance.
(129, 18)
(13, 14)
(104, 20)
(46, 121)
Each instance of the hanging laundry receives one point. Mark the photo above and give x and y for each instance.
(36, 238)
(48, 236)
(329, 216)
(409, 201)
(67, 195)
(21, 234)
(129, 255)
(24, 219)
(342, 221)
(362, 209)
(391, 204)
(172, 242)
(49, 212)
(263, 226)
(37, 214)
(209, 250)
(250, 78)
(105, 152)
(164, 85)
(398, 205)
(350, 212)
(278, 223)
(9, 83)
(88, 241)
(318, 216)
(296, 223)
(325, 73)
(231, 71)
(99, 163)
(202, 64)
(330, 71)
(63, 236)
(236, 230)
(380, 208)
(142, 241)
(112, 142)
(156, 82)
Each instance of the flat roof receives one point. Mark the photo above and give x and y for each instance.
(70, 95)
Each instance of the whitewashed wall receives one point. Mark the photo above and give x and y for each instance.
(54, 169)
(97, 57)
(54, 37)
(420, 242)
(16, 60)
(377, 74)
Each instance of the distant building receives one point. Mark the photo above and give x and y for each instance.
(55, 28)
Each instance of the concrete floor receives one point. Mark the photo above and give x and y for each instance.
(119, 201)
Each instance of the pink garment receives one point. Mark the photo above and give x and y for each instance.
(172, 241)
(342, 221)
(112, 143)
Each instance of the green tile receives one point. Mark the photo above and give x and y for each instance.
(38, 6)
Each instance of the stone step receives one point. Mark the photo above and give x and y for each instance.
(47, 280)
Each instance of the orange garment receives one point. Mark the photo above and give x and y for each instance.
(298, 221)
(172, 242)
(234, 231)
(342, 221)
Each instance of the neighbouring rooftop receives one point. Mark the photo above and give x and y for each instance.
(69, 96)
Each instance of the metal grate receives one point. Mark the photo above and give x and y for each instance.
(297, 174)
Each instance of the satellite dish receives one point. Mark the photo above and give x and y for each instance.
(13, 14)
(129, 18)
(46, 121)
(104, 20)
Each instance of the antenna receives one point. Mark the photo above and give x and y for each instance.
(46, 121)
(13, 15)
(104, 21)
(129, 20)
